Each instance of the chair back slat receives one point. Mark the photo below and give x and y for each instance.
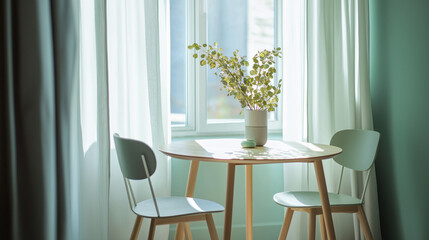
(340, 179)
(359, 148)
(129, 156)
(150, 185)
(130, 193)
(366, 184)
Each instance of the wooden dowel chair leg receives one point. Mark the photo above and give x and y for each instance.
(188, 234)
(212, 228)
(136, 229)
(312, 225)
(364, 223)
(179, 231)
(152, 229)
(322, 228)
(286, 224)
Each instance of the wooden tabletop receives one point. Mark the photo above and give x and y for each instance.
(230, 151)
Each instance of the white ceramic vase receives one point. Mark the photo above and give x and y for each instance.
(256, 126)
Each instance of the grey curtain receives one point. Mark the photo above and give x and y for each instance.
(38, 61)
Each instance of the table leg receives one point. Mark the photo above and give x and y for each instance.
(323, 191)
(229, 201)
(190, 188)
(249, 202)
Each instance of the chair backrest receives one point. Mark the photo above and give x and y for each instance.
(137, 162)
(130, 154)
(359, 148)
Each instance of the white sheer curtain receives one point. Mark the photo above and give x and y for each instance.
(94, 167)
(138, 60)
(326, 90)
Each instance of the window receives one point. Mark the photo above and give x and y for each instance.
(178, 44)
(197, 103)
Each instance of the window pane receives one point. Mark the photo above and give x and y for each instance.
(246, 25)
(178, 61)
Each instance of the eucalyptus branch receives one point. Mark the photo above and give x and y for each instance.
(255, 91)
(225, 67)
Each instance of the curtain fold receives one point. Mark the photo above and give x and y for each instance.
(55, 108)
(330, 41)
(93, 168)
(138, 59)
(38, 112)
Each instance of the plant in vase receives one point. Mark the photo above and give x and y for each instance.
(253, 87)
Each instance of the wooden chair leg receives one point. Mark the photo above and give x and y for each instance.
(188, 233)
(364, 223)
(152, 229)
(211, 226)
(312, 225)
(179, 231)
(322, 228)
(286, 224)
(136, 229)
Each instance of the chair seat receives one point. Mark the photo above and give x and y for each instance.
(176, 206)
(312, 199)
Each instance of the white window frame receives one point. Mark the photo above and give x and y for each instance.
(196, 104)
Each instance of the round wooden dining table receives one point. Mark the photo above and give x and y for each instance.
(231, 152)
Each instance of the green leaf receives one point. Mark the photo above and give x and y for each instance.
(254, 90)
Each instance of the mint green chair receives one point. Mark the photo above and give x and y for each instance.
(359, 149)
(137, 162)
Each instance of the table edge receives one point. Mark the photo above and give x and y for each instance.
(249, 161)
